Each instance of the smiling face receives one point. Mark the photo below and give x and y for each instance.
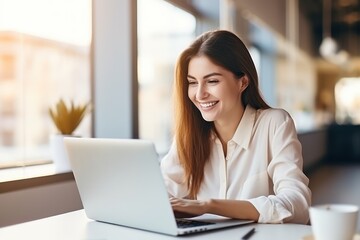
(215, 91)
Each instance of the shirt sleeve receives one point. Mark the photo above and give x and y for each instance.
(292, 197)
(173, 174)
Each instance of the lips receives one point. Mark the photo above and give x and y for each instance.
(207, 104)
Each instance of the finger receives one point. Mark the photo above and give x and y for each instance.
(173, 200)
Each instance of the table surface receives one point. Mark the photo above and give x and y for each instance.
(76, 225)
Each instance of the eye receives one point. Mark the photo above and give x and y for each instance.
(213, 81)
(192, 82)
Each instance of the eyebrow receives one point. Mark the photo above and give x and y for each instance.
(206, 76)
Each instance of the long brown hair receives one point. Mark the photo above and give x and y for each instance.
(192, 132)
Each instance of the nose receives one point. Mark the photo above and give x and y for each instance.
(201, 92)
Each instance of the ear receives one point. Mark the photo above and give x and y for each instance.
(243, 83)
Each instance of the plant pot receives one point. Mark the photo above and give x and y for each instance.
(59, 154)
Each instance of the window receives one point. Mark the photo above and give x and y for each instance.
(160, 43)
(44, 56)
(7, 67)
(347, 95)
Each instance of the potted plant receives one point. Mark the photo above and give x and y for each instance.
(66, 119)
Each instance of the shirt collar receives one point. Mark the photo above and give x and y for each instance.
(244, 130)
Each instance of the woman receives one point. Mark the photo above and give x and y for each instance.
(232, 154)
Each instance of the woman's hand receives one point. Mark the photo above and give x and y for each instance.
(186, 208)
(238, 209)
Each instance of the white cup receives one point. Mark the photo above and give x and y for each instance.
(334, 221)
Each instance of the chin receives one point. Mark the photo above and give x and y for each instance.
(208, 118)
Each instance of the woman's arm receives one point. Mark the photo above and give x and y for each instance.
(233, 208)
(292, 196)
(228, 208)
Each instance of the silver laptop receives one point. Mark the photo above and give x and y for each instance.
(120, 182)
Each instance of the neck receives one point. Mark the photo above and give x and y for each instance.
(226, 129)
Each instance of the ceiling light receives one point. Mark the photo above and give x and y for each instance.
(328, 47)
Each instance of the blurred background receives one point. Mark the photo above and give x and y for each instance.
(120, 56)
(306, 53)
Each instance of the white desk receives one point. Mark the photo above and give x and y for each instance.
(75, 225)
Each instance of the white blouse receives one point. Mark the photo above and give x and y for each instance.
(263, 165)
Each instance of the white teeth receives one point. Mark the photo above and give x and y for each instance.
(206, 105)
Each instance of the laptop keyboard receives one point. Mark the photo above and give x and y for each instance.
(186, 223)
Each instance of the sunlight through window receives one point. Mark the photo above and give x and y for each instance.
(44, 56)
(160, 43)
(347, 95)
